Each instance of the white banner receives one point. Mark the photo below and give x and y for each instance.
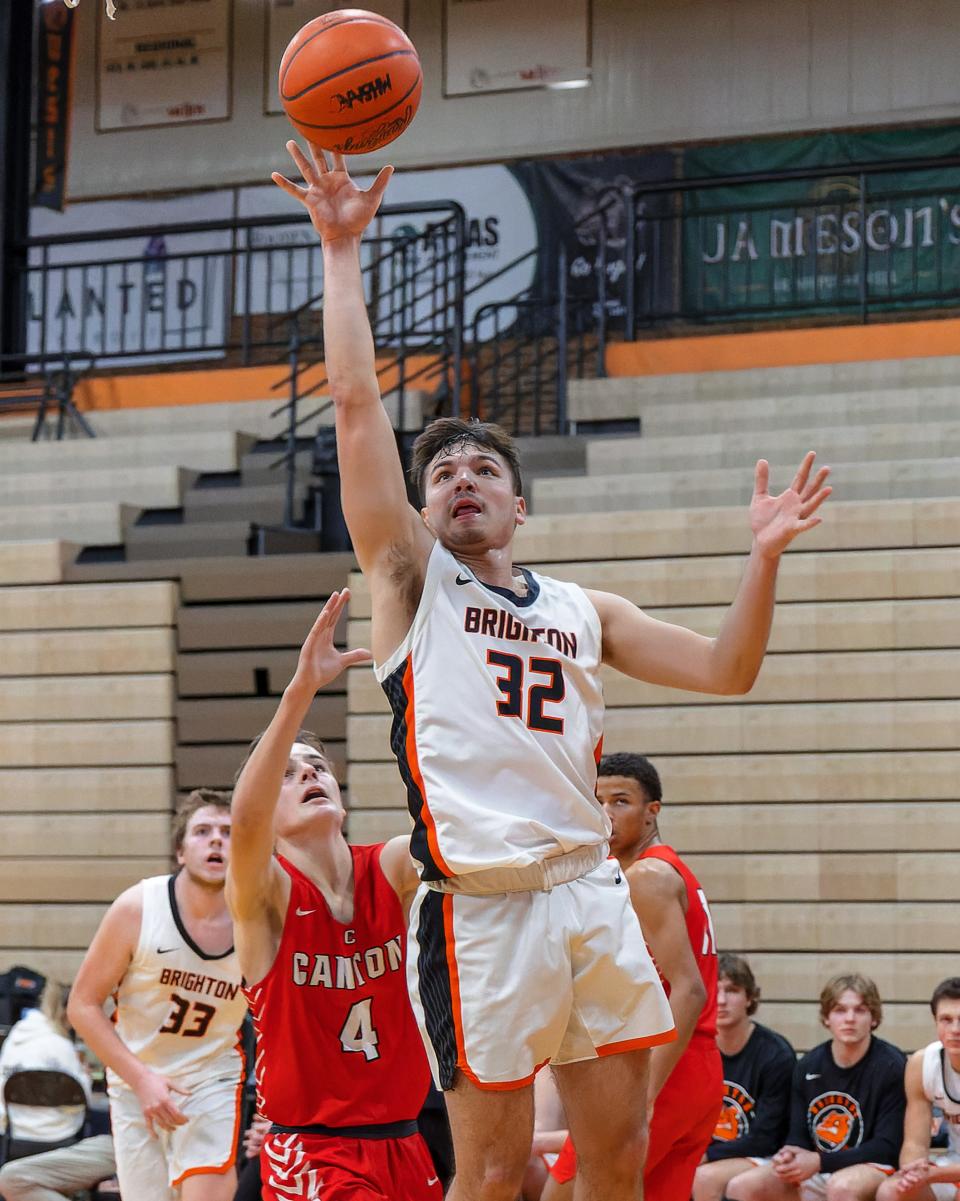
(164, 62)
(168, 299)
(500, 228)
(285, 17)
(503, 46)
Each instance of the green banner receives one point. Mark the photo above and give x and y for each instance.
(843, 240)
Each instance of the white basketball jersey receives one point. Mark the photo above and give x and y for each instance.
(179, 1010)
(941, 1087)
(498, 719)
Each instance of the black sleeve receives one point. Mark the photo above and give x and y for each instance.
(883, 1145)
(766, 1132)
(798, 1135)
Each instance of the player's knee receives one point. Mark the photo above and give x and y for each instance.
(15, 1181)
(888, 1190)
(619, 1165)
(747, 1187)
(841, 1188)
(707, 1183)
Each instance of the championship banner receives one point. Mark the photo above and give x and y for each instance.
(503, 46)
(832, 243)
(283, 19)
(164, 62)
(55, 50)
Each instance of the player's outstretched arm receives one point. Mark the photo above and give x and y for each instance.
(104, 964)
(255, 881)
(381, 522)
(661, 653)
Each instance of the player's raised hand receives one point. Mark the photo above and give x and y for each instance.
(320, 661)
(160, 1109)
(337, 207)
(777, 520)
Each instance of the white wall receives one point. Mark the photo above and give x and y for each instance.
(663, 71)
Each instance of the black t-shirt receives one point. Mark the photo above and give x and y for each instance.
(756, 1098)
(850, 1115)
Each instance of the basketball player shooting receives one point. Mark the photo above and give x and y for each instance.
(525, 949)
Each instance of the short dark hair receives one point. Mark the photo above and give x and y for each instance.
(449, 433)
(868, 992)
(736, 969)
(200, 798)
(304, 736)
(637, 767)
(946, 990)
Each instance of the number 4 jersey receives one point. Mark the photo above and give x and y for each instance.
(498, 717)
(337, 1045)
(179, 1010)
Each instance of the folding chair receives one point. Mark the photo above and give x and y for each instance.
(48, 1089)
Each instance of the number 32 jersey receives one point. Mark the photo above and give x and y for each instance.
(337, 1044)
(498, 721)
(179, 1010)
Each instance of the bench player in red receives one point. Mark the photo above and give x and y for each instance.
(321, 933)
(686, 1076)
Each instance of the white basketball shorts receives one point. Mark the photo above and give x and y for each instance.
(505, 983)
(152, 1169)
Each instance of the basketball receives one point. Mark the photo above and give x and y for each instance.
(350, 81)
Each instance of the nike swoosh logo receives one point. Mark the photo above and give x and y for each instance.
(305, 912)
(165, 950)
(432, 1181)
(461, 580)
(813, 1076)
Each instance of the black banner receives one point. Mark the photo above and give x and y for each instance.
(580, 202)
(54, 88)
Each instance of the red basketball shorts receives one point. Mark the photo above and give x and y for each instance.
(347, 1169)
(684, 1118)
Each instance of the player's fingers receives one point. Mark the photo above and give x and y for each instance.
(288, 186)
(809, 524)
(338, 162)
(319, 158)
(814, 503)
(304, 166)
(379, 185)
(355, 657)
(816, 483)
(803, 471)
(761, 478)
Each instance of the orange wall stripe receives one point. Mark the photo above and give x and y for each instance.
(785, 348)
(158, 389)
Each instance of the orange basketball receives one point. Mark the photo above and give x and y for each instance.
(350, 81)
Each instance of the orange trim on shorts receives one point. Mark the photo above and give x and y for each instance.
(454, 977)
(413, 765)
(638, 1044)
(230, 1161)
(598, 751)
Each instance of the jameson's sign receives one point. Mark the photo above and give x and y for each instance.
(890, 238)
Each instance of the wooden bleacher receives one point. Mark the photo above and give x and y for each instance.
(86, 747)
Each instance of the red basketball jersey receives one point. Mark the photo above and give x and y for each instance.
(700, 932)
(337, 1044)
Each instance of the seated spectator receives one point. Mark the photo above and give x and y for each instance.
(58, 1174)
(757, 1073)
(932, 1080)
(846, 1109)
(41, 1041)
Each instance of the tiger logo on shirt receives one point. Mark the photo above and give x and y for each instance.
(734, 1119)
(835, 1121)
